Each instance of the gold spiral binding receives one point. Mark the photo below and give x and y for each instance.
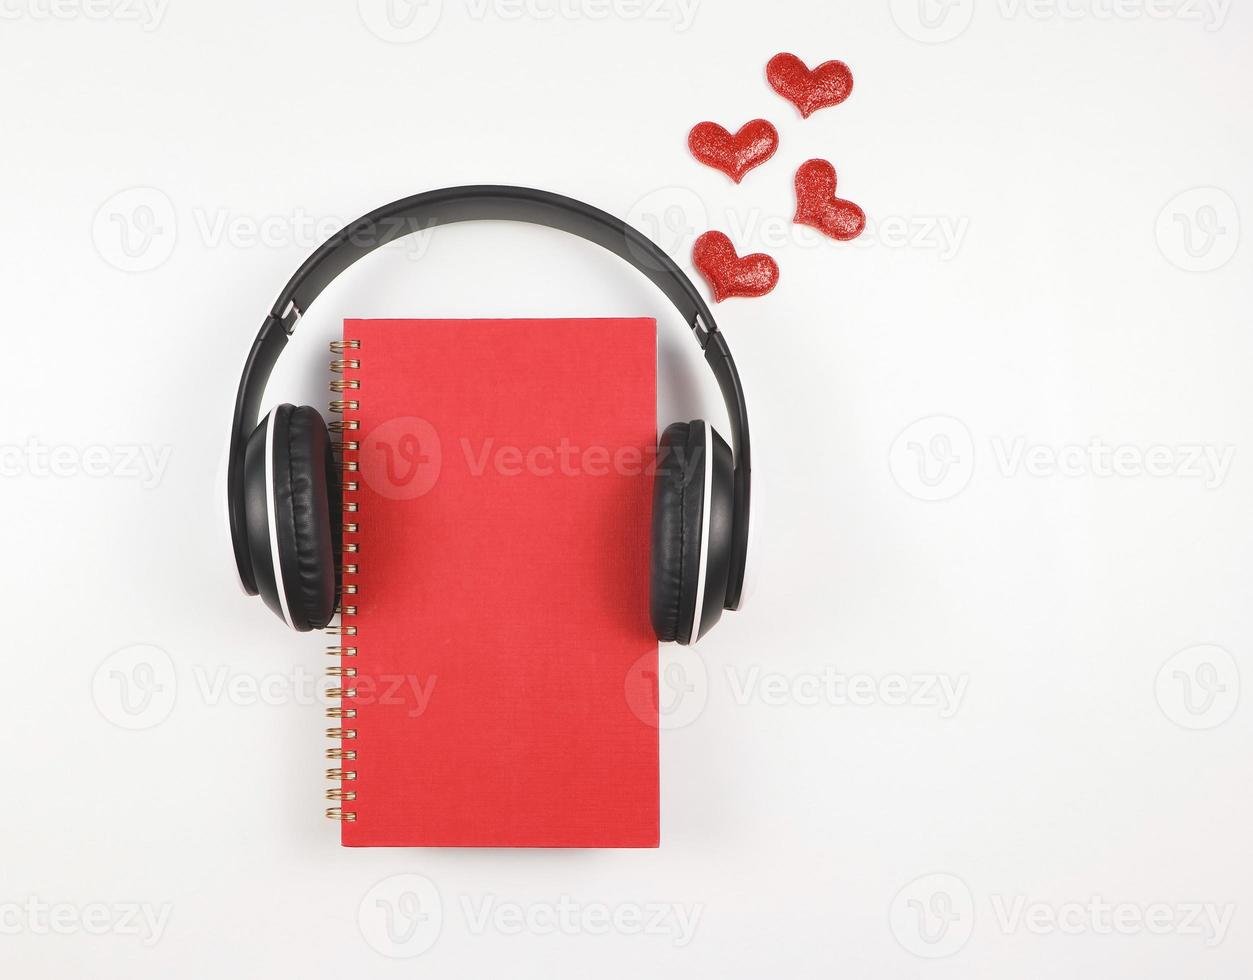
(346, 446)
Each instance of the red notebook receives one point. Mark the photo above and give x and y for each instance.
(496, 580)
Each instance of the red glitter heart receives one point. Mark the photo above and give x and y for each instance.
(828, 84)
(730, 275)
(818, 207)
(736, 155)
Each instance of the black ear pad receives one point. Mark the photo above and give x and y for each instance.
(687, 590)
(677, 499)
(309, 528)
(293, 515)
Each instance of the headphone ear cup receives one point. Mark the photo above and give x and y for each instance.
(693, 514)
(293, 515)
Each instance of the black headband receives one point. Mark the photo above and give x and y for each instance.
(477, 203)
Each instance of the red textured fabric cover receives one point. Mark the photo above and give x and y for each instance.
(502, 605)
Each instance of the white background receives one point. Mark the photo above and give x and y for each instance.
(162, 741)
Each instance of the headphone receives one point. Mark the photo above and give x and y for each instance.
(283, 491)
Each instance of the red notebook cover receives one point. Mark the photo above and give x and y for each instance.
(496, 580)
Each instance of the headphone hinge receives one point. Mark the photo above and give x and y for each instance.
(290, 317)
(702, 331)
